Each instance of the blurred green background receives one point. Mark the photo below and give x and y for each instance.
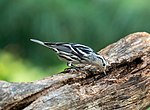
(96, 23)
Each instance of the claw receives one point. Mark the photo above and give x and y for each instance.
(105, 72)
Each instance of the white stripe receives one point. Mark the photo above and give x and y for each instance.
(71, 48)
(84, 46)
(65, 53)
(55, 50)
(85, 54)
(67, 57)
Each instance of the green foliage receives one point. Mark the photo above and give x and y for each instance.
(17, 69)
(95, 23)
(148, 108)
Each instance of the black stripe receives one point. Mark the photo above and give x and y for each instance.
(80, 55)
(61, 56)
(102, 59)
(76, 58)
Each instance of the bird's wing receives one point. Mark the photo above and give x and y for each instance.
(59, 47)
(83, 49)
(65, 50)
(74, 51)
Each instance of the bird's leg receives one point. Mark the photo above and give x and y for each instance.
(72, 66)
(104, 70)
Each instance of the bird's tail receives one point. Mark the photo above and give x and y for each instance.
(46, 44)
(37, 41)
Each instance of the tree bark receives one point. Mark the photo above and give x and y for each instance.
(125, 87)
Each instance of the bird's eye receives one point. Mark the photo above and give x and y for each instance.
(104, 64)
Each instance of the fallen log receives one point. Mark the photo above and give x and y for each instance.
(125, 87)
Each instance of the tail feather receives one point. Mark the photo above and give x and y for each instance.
(46, 44)
(37, 41)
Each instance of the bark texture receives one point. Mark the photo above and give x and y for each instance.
(125, 87)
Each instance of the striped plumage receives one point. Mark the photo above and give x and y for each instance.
(75, 53)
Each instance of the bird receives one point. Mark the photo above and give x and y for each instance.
(75, 54)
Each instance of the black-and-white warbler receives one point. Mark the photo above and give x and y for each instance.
(76, 54)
